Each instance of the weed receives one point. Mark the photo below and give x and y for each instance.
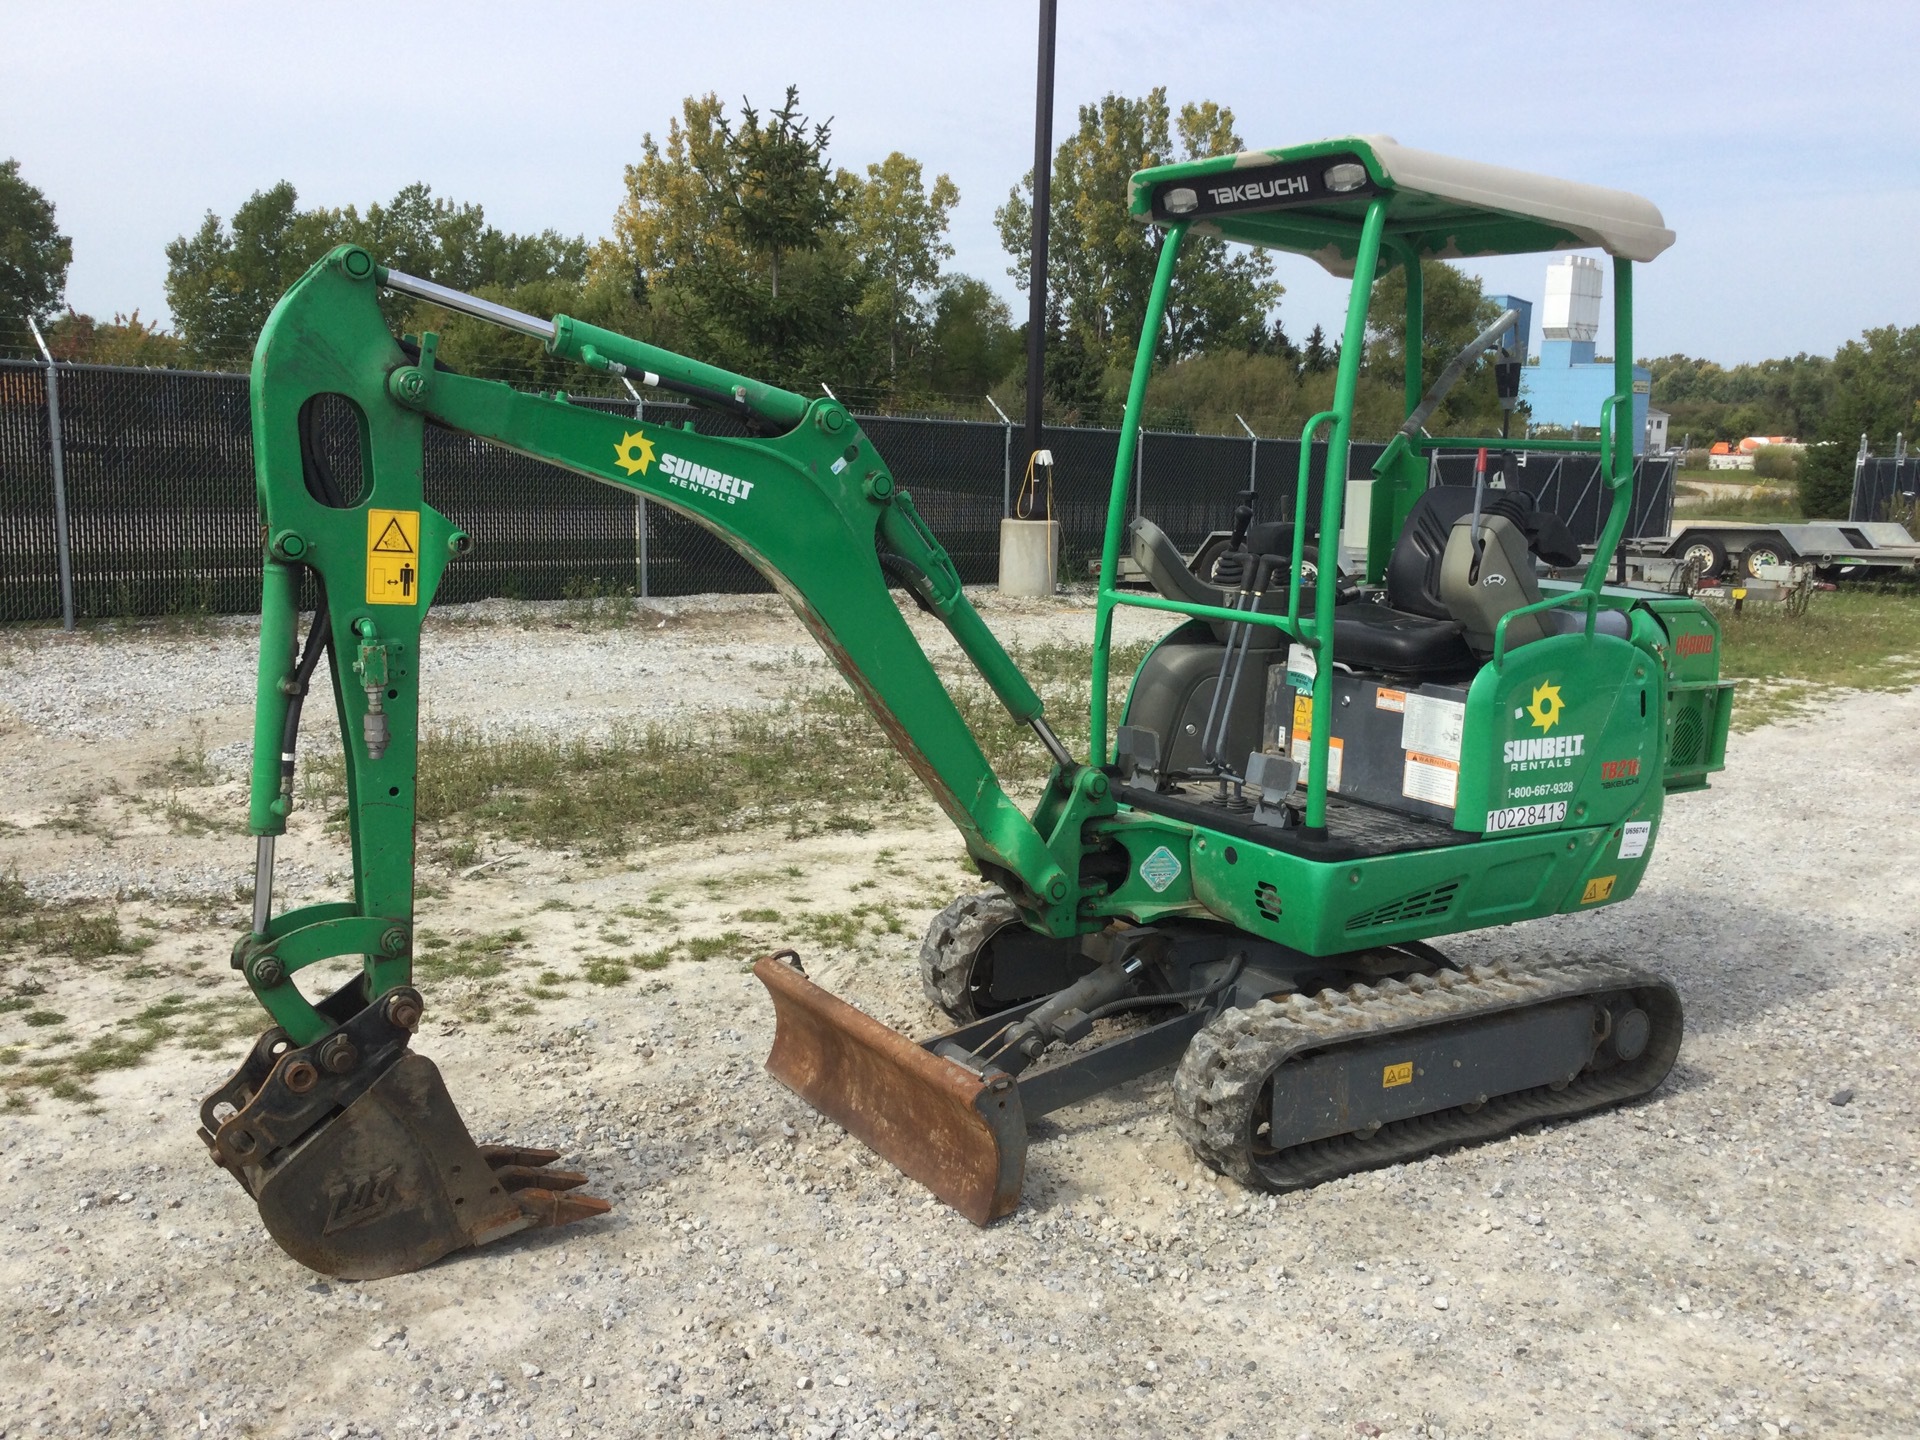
(44, 1018)
(706, 947)
(759, 917)
(603, 970)
(1846, 639)
(819, 754)
(471, 957)
(72, 928)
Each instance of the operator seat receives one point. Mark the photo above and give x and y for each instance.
(1479, 590)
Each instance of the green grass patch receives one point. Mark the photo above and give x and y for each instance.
(1846, 640)
(469, 957)
(816, 762)
(63, 1067)
(78, 929)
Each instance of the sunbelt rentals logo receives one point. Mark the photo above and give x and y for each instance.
(1543, 751)
(635, 454)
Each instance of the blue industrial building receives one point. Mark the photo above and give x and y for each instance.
(1567, 387)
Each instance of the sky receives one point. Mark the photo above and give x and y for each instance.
(1780, 140)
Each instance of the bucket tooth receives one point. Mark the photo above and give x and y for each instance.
(373, 1172)
(961, 1134)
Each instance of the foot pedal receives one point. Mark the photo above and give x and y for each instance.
(359, 1160)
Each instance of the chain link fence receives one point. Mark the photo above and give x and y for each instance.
(159, 494)
(1886, 487)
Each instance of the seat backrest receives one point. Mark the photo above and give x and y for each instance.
(1413, 570)
(1167, 571)
(1504, 580)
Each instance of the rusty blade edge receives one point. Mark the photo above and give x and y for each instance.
(961, 1136)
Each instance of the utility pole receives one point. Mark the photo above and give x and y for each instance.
(1042, 205)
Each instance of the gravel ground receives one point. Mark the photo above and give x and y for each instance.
(1735, 1256)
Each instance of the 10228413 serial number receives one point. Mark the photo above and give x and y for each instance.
(1519, 817)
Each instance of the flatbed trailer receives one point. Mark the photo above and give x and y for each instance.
(1836, 549)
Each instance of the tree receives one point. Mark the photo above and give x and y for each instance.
(973, 345)
(1101, 262)
(785, 194)
(124, 340)
(743, 244)
(1316, 358)
(224, 280)
(1454, 310)
(34, 257)
(1876, 393)
(898, 232)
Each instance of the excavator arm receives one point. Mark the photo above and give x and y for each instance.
(807, 500)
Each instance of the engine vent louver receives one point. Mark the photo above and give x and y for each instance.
(1266, 899)
(1436, 900)
(1688, 739)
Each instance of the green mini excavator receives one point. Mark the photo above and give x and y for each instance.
(1314, 775)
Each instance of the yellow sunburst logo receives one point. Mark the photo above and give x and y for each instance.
(634, 453)
(1546, 706)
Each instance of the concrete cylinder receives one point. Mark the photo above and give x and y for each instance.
(1029, 556)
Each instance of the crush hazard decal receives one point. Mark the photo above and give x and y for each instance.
(393, 557)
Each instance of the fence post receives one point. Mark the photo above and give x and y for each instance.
(1253, 459)
(1006, 460)
(639, 501)
(59, 454)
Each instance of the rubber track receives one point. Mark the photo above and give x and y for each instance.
(1225, 1069)
(954, 940)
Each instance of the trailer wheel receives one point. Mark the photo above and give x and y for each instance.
(1751, 560)
(1705, 556)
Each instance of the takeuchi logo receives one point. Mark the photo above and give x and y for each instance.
(1546, 707)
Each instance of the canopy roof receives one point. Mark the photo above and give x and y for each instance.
(1311, 199)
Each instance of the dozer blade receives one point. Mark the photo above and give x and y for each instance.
(359, 1160)
(962, 1135)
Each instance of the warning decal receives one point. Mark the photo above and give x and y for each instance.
(1431, 778)
(1160, 869)
(1599, 888)
(393, 557)
(1392, 1075)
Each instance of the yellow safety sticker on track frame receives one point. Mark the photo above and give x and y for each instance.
(393, 557)
(1401, 1074)
(1598, 889)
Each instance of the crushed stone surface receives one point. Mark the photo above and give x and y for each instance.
(1735, 1256)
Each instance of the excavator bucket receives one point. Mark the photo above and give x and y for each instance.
(359, 1160)
(960, 1134)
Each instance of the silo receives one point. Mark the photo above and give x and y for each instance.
(1571, 309)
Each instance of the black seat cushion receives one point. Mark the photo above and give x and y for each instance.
(1376, 637)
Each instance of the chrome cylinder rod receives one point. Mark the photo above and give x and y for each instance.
(262, 884)
(466, 304)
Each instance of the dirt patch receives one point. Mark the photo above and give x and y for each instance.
(1735, 1257)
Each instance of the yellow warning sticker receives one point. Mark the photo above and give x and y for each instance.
(1302, 717)
(393, 557)
(1401, 1074)
(1598, 889)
